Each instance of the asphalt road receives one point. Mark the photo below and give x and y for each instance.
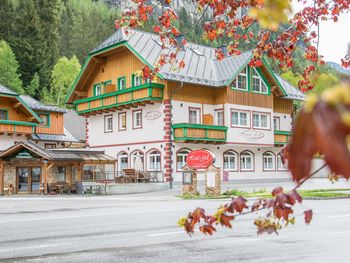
(142, 228)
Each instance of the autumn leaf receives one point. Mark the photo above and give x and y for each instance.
(237, 204)
(181, 64)
(207, 229)
(295, 196)
(308, 216)
(277, 190)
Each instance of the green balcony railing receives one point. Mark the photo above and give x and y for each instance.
(143, 93)
(188, 132)
(282, 137)
(20, 127)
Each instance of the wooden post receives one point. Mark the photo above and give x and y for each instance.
(2, 172)
(80, 172)
(69, 173)
(45, 177)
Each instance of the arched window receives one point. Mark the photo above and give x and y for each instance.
(123, 161)
(269, 161)
(181, 156)
(137, 160)
(153, 160)
(230, 161)
(247, 161)
(280, 165)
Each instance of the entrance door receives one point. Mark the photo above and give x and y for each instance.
(23, 179)
(28, 179)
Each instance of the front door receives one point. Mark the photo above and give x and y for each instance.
(28, 179)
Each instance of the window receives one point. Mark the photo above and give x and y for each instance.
(276, 123)
(240, 118)
(219, 117)
(154, 161)
(181, 158)
(123, 161)
(280, 165)
(50, 146)
(46, 119)
(97, 89)
(247, 161)
(241, 80)
(136, 80)
(93, 172)
(148, 81)
(122, 121)
(107, 82)
(230, 161)
(61, 173)
(75, 174)
(268, 161)
(108, 123)
(257, 83)
(261, 121)
(121, 83)
(137, 119)
(3, 114)
(194, 115)
(137, 160)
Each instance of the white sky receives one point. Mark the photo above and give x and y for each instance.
(334, 37)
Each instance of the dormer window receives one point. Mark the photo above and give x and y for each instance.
(258, 85)
(46, 119)
(240, 81)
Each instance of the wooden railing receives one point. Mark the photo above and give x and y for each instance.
(188, 132)
(18, 127)
(282, 137)
(119, 99)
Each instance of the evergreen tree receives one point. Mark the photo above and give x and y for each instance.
(34, 85)
(66, 31)
(6, 19)
(9, 75)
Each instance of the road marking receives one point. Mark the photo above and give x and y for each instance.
(166, 233)
(33, 247)
(339, 216)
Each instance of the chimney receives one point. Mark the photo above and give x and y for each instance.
(223, 49)
(179, 40)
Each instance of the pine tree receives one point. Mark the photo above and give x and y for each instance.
(66, 31)
(34, 85)
(6, 19)
(9, 75)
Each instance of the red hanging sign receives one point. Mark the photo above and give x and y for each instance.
(199, 159)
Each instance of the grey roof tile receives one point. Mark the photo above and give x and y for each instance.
(201, 66)
(38, 106)
(6, 90)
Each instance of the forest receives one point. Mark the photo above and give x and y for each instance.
(43, 44)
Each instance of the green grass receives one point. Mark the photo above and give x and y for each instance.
(262, 193)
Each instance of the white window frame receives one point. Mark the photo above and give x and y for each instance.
(259, 121)
(239, 119)
(133, 157)
(242, 75)
(182, 153)
(198, 115)
(137, 119)
(276, 123)
(137, 80)
(269, 158)
(280, 165)
(219, 120)
(122, 155)
(154, 161)
(230, 161)
(98, 89)
(122, 83)
(108, 123)
(262, 84)
(120, 121)
(244, 156)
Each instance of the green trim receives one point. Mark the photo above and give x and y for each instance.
(228, 83)
(6, 112)
(118, 80)
(267, 84)
(273, 75)
(199, 126)
(107, 82)
(198, 139)
(48, 119)
(247, 81)
(133, 80)
(127, 90)
(28, 108)
(283, 132)
(21, 123)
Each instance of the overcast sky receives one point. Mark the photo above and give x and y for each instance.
(334, 37)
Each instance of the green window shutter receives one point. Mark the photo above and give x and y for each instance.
(132, 80)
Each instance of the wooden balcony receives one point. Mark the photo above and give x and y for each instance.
(16, 127)
(282, 137)
(199, 133)
(122, 99)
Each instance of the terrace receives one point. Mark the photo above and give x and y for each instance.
(16, 127)
(282, 137)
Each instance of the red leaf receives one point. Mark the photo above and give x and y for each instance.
(308, 216)
(207, 229)
(237, 204)
(295, 196)
(182, 64)
(277, 190)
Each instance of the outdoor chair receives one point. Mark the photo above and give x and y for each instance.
(130, 174)
(143, 177)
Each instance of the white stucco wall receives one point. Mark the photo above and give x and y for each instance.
(7, 141)
(285, 121)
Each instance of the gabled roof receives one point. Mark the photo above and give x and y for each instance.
(37, 105)
(66, 137)
(201, 65)
(75, 124)
(10, 93)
